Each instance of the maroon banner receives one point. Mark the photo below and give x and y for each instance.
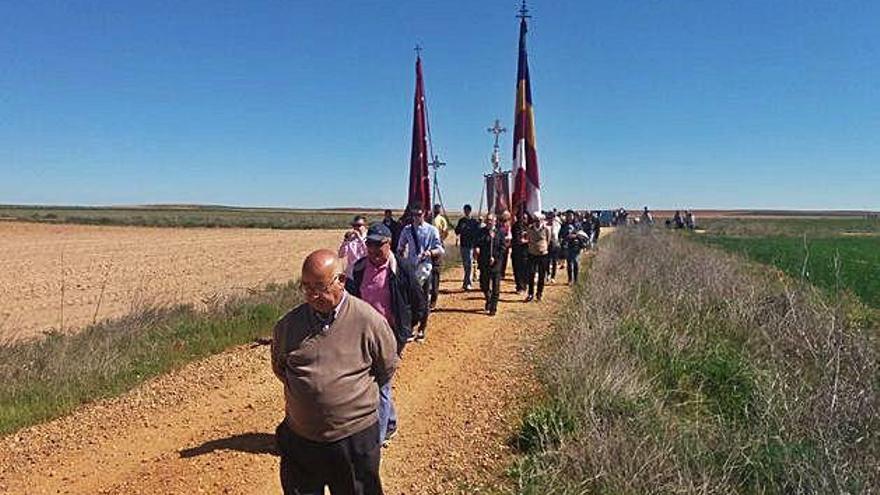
(498, 192)
(419, 181)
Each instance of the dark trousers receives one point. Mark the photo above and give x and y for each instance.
(435, 285)
(554, 259)
(426, 290)
(504, 262)
(538, 265)
(349, 466)
(490, 284)
(520, 258)
(571, 265)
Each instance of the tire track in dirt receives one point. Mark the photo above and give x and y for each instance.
(208, 428)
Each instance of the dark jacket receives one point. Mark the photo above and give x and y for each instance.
(395, 227)
(574, 245)
(518, 231)
(407, 299)
(491, 248)
(468, 231)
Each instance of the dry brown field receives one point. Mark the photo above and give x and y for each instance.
(107, 272)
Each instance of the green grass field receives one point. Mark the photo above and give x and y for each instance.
(833, 254)
(813, 227)
(187, 216)
(835, 263)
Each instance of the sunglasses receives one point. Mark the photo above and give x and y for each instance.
(375, 244)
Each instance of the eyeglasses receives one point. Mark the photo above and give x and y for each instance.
(319, 288)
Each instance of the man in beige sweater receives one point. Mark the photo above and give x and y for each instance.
(330, 353)
(539, 259)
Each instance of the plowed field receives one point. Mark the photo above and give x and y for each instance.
(109, 271)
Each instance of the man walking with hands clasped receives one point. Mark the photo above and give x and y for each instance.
(539, 262)
(331, 353)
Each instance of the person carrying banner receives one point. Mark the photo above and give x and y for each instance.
(519, 251)
(419, 243)
(388, 284)
(490, 248)
(504, 226)
(393, 225)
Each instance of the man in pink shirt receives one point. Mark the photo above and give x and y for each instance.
(388, 283)
(354, 245)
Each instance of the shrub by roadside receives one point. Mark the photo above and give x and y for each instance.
(679, 368)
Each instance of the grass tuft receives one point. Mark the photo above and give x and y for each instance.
(543, 427)
(47, 378)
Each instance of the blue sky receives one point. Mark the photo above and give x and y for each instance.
(673, 103)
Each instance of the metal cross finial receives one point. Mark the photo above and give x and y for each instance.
(524, 11)
(436, 163)
(418, 49)
(497, 130)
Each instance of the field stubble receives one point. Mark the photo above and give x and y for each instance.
(63, 277)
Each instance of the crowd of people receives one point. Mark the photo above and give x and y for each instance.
(336, 354)
(686, 221)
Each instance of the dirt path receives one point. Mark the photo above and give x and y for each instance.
(209, 427)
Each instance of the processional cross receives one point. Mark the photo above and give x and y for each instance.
(497, 130)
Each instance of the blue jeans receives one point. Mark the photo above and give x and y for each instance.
(467, 259)
(387, 412)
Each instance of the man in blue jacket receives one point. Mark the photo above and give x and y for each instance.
(420, 243)
(388, 284)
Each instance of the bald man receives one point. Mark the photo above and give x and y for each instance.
(330, 353)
